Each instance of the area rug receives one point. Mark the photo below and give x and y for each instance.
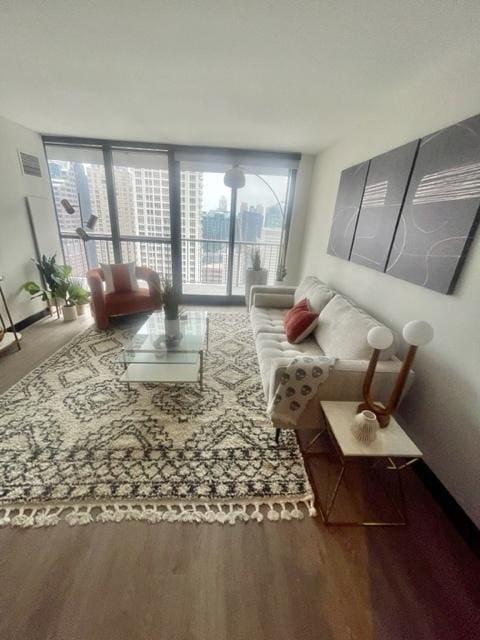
(77, 444)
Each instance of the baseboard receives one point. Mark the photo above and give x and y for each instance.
(454, 512)
(23, 324)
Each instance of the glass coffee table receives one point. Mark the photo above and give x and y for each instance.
(150, 357)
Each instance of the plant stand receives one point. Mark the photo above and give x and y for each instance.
(10, 336)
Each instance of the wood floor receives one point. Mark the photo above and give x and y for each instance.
(288, 580)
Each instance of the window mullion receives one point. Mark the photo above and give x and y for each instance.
(112, 203)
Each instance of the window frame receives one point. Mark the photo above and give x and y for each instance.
(175, 196)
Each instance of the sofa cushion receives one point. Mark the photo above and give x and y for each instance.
(342, 331)
(307, 283)
(267, 320)
(271, 346)
(299, 322)
(316, 292)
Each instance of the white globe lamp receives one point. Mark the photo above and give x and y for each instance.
(234, 178)
(418, 333)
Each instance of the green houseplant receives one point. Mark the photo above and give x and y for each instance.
(255, 274)
(55, 285)
(170, 303)
(80, 297)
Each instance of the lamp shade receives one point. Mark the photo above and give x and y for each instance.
(418, 333)
(380, 338)
(82, 234)
(92, 221)
(67, 206)
(234, 178)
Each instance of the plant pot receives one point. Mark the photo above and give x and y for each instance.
(172, 329)
(69, 313)
(82, 308)
(254, 278)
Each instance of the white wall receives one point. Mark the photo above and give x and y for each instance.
(16, 242)
(299, 215)
(442, 411)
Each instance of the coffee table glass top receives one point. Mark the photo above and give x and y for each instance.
(149, 345)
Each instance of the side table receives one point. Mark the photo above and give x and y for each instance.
(392, 445)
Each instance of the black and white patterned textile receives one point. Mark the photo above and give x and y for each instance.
(298, 384)
(76, 443)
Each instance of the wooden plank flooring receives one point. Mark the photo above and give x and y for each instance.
(287, 580)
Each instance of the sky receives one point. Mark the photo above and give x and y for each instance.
(254, 192)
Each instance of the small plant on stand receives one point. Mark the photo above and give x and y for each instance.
(254, 275)
(170, 303)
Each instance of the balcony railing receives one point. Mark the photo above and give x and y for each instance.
(205, 265)
(204, 262)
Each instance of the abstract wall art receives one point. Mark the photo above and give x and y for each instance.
(440, 213)
(347, 206)
(382, 200)
(413, 211)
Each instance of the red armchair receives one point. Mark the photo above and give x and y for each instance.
(104, 305)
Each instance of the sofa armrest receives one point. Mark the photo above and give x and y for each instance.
(345, 382)
(270, 290)
(276, 300)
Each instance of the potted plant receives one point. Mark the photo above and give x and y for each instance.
(69, 310)
(52, 278)
(170, 302)
(254, 274)
(63, 291)
(80, 296)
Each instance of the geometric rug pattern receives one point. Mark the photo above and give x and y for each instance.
(76, 443)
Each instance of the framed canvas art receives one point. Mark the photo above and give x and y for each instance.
(347, 206)
(382, 200)
(441, 209)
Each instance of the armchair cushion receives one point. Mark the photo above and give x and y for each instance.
(120, 277)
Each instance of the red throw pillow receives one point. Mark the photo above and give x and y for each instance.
(299, 322)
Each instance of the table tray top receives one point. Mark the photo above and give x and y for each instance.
(391, 442)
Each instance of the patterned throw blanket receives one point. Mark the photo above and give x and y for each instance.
(298, 385)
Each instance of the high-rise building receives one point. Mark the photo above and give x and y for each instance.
(64, 185)
(143, 206)
(250, 225)
(273, 217)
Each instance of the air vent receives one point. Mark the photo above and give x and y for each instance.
(30, 165)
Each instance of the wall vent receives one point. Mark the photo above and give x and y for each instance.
(30, 164)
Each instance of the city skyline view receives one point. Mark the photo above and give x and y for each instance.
(143, 206)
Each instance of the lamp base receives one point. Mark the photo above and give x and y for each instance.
(383, 419)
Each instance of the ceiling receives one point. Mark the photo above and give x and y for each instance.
(268, 74)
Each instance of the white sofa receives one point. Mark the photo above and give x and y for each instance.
(341, 332)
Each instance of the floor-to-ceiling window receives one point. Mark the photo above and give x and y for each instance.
(205, 212)
(79, 187)
(143, 208)
(170, 210)
(260, 221)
